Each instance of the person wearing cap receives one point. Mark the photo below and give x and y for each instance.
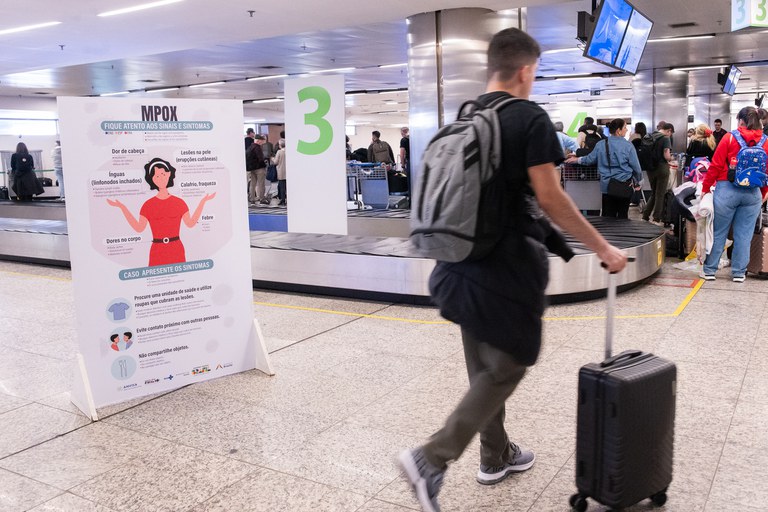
(249, 135)
(659, 175)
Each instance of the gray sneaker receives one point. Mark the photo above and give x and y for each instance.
(425, 478)
(519, 460)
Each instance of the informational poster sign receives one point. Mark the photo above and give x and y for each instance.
(316, 154)
(748, 13)
(159, 245)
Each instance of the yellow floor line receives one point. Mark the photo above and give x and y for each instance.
(676, 313)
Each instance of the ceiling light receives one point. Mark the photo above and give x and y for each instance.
(681, 38)
(141, 7)
(206, 84)
(393, 65)
(694, 68)
(164, 89)
(114, 93)
(573, 77)
(28, 27)
(264, 77)
(336, 70)
(268, 100)
(561, 50)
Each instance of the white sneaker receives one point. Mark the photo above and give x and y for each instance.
(707, 277)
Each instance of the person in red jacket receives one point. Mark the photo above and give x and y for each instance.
(734, 205)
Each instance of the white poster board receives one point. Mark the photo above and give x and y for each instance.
(316, 154)
(159, 245)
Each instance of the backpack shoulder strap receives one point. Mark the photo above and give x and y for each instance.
(736, 135)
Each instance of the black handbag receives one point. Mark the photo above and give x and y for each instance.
(617, 188)
(621, 189)
(272, 173)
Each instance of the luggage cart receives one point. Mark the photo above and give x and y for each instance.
(583, 185)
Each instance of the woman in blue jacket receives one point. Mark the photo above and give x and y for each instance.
(615, 158)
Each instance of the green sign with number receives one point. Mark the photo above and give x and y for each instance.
(316, 118)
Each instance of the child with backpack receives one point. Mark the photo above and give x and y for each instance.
(738, 175)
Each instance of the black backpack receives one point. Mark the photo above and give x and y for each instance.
(644, 149)
(24, 163)
(591, 138)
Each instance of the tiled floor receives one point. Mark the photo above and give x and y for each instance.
(353, 389)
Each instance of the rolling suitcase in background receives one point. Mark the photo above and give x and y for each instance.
(758, 251)
(625, 426)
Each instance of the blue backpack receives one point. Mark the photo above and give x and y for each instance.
(750, 164)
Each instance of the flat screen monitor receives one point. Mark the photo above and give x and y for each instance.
(619, 37)
(729, 87)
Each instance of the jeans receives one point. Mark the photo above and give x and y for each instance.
(740, 207)
(493, 376)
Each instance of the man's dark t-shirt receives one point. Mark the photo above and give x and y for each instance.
(500, 298)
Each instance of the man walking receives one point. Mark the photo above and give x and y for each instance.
(499, 300)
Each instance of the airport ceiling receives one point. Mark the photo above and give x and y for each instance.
(203, 41)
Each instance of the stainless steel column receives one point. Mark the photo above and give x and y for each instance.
(447, 66)
(662, 95)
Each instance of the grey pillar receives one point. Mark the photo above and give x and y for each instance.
(447, 66)
(659, 95)
(708, 107)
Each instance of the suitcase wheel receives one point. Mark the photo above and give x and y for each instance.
(660, 498)
(578, 502)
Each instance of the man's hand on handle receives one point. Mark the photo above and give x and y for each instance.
(613, 258)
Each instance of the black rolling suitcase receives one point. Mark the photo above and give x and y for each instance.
(625, 426)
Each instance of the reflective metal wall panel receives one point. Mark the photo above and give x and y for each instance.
(670, 94)
(708, 107)
(447, 65)
(423, 108)
(642, 99)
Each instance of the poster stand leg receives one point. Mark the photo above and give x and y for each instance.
(260, 350)
(81, 395)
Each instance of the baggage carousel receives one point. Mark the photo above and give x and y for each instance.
(376, 261)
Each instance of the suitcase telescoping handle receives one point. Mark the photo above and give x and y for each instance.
(610, 307)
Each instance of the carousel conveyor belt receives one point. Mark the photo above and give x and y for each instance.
(369, 266)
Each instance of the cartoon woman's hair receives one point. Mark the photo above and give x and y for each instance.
(149, 172)
(114, 337)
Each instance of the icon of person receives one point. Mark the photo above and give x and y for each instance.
(114, 339)
(127, 335)
(164, 213)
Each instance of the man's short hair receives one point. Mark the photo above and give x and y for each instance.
(260, 137)
(589, 120)
(249, 131)
(509, 51)
(559, 126)
(667, 126)
(376, 133)
(719, 121)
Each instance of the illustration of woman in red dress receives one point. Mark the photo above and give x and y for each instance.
(164, 213)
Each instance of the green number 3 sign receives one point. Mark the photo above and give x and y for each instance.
(317, 119)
